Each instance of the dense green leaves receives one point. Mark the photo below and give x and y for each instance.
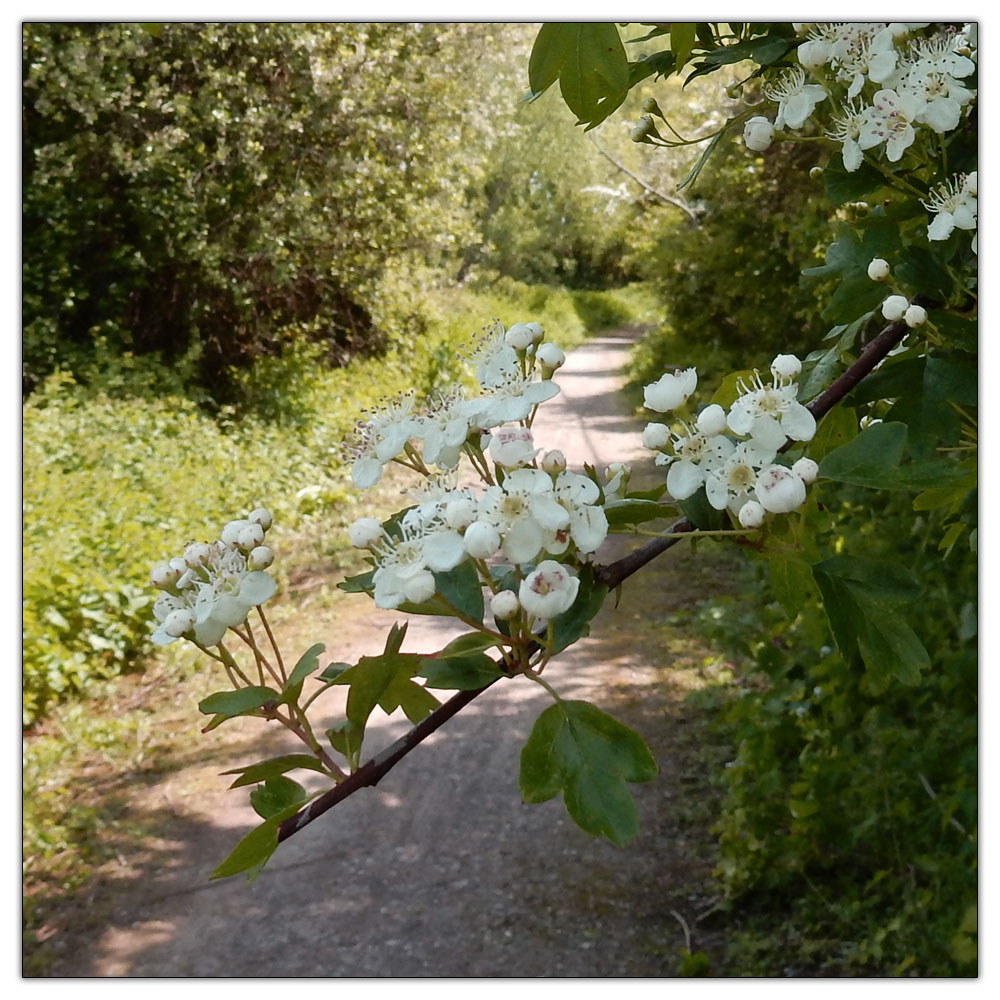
(577, 749)
(873, 459)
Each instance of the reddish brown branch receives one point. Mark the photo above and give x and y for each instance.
(611, 576)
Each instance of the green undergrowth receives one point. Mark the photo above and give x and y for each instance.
(124, 470)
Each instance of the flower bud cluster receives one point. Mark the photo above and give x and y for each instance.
(739, 469)
(213, 586)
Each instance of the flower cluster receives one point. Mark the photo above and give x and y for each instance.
(883, 84)
(213, 586)
(529, 509)
(513, 369)
(738, 470)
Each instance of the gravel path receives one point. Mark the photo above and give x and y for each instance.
(441, 870)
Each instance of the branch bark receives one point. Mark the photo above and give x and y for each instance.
(611, 575)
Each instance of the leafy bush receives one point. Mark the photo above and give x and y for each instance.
(850, 806)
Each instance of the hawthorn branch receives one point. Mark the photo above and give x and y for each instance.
(612, 575)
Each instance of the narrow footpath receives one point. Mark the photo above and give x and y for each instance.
(442, 871)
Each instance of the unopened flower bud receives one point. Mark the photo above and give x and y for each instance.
(537, 333)
(505, 604)
(894, 307)
(915, 316)
(758, 134)
(260, 557)
(551, 358)
(519, 336)
(779, 490)
(512, 447)
(644, 128)
(751, 514)
(553, 462)
(481, 540)
(711, 420)
(232, 530)
(163, 575)
(655, 436)
(365, 532)
(178, 564)
(815, 173)
(177, 623)
(650, 107)
(250, 536)
(197, 554)
(261, 516)
(878, 269)
(806, 469)
(460, 513)
(786, 366)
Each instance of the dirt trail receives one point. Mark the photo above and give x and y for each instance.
(441, 870)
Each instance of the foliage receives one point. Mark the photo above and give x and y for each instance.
(204, 191)
(733, 281)
(110, 466)
(850, 806)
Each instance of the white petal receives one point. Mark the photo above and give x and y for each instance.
(683, 480)
(257, 587)
(798, 423)
(443, 551)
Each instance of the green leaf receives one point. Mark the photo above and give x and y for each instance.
(307, 664)
(467, 644)
(682, 36)
(275, 795)
(254, 773)
(253, 850)
(873, 458)
(842, 186)
(919, 268)
(590, 63)
(693, 173)
(861, 597)
(574, 622)
(702, 514)
(414, 699)
(230, 704)
(577, 749)
(729, 388)
(462, 589)
(855, 295)
(791, 581)
(837, 427)
(363, 583)
(460, 673)
(346, 738)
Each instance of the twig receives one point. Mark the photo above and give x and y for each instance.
(372, 772)
(676, 202)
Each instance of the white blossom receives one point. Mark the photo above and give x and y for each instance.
(955, 205)
(796, 99)
(670, 390)
(915, 316)
(751, 514)
(365, 532)
(770, 413)
(732, 483)
(549, 590)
